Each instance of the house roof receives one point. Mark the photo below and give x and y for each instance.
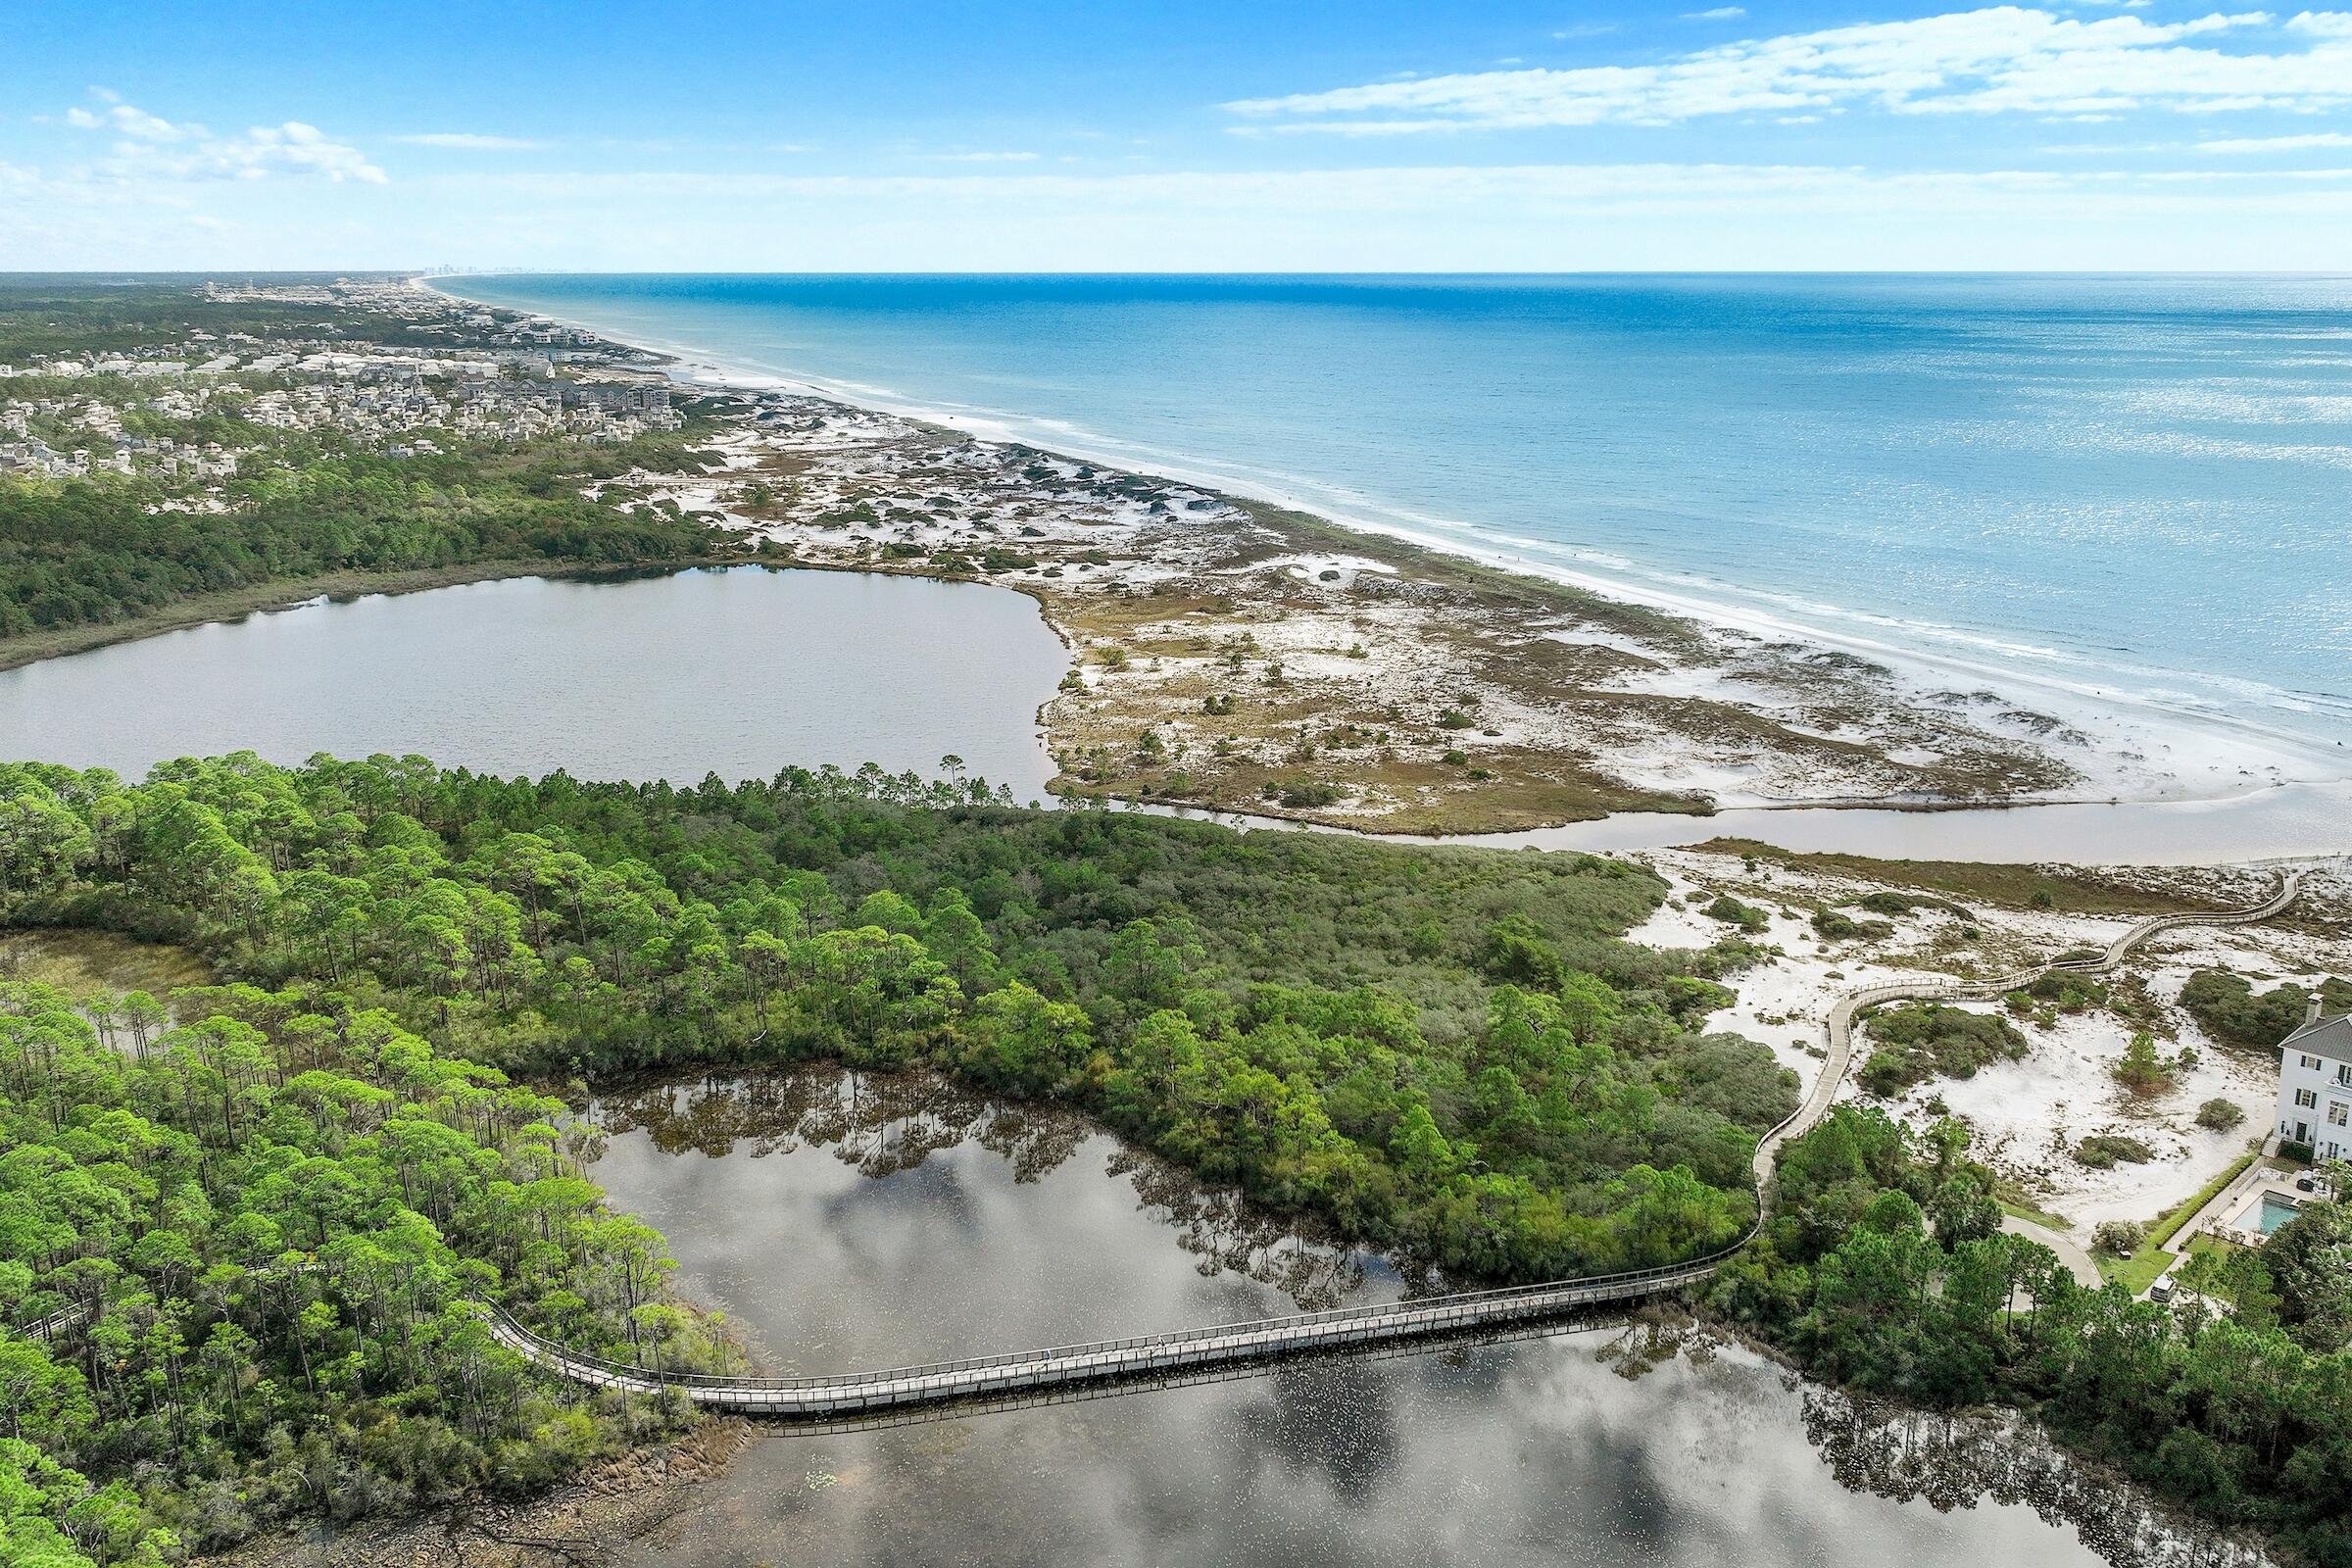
(2329, 1037)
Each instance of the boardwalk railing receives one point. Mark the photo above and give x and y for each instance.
(851, 1393)
(854, 1392)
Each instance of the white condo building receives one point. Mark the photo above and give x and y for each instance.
(2315, 1086)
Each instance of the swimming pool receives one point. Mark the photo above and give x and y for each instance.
(2271, 1213)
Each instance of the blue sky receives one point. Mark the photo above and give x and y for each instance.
(942, 136)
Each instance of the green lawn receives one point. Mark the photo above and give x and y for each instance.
(2136, 1272)
(2019, 1209)
(2162, 1231)
(2139, 1270)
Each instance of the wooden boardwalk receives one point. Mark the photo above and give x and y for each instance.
(850, 1394)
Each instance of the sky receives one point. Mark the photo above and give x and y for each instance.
(935, 135)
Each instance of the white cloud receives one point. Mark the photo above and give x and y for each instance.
(2275, 144)
(150, 148)
(1538, 218)
(145, 127)
(1351, 127)
(985, 157)
(1718, 14)
(1460, 188)
(1994, 60)
(258, 152)
(122, 118)
(297, 146)
(470, 141)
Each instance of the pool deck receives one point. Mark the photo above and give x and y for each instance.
(2219, 1218)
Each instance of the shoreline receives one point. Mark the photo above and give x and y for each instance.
(1994, 833)
(1610, 725)
(2141, 834)
(232, 605)
(2230, 755)
(644, 1490)
(1657, 595)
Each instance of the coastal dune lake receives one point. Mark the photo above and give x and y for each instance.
(737, 671)
(742, 671)
(848, 1220)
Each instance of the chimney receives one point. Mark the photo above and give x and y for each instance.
(2311, 1011)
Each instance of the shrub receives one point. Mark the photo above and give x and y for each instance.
(1887, 1073)
(2220, 1115)
(1730, 911)
(2106, 1150)
(1885, 902)
(2072, 993)
(2229, 1008)
(1298, 793)
(2118, 1238)
(1834, 927)
(1919, 1041)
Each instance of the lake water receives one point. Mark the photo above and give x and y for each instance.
(744, 670)
(2291, 821)
(738, 671)
(850, 1221)
(2115, 491)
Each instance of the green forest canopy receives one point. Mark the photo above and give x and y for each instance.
(98, 551)
(1449, 1053)
(107, 548)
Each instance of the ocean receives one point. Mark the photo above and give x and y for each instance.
(2133, 491)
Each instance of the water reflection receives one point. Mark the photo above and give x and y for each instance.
(889, 1125)
(850, 1220)
(880, 1124)
(1957, 1462)
(737, 671)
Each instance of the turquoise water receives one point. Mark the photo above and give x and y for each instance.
(2127, 487)
(2276, 1211)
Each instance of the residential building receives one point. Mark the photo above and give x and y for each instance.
(2315, 1085)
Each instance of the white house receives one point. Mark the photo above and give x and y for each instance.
(2315, 1086)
